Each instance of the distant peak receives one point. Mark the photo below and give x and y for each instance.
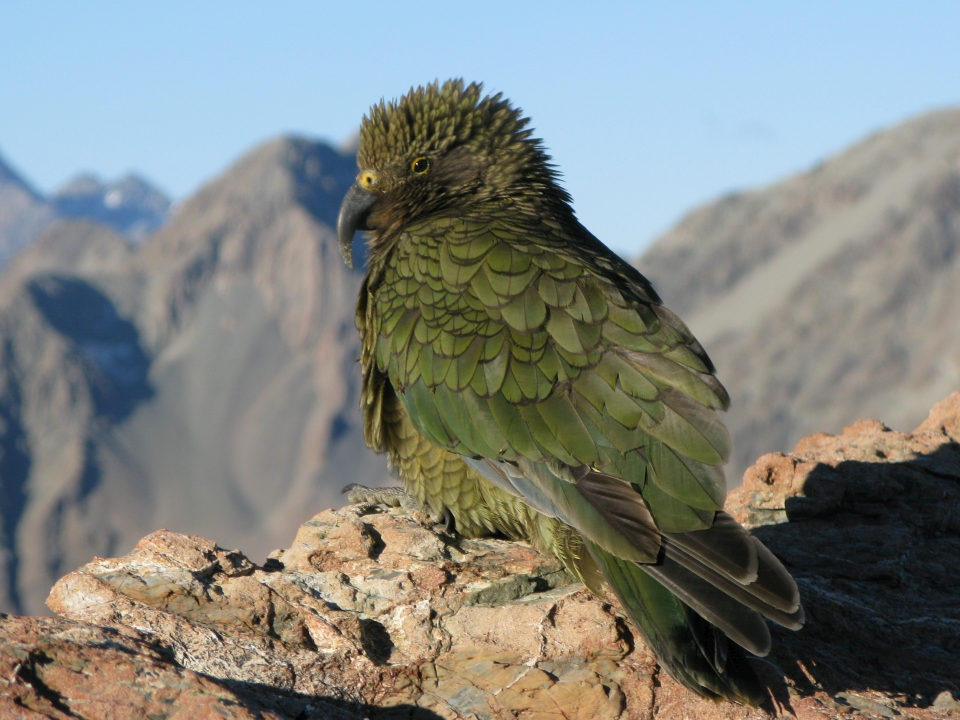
(82, 184)
(130, 205)
(8, 177)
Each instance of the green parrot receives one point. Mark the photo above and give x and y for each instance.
(524, 381)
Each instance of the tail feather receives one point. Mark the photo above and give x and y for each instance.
(695, 652)
(775, 585)
(725, 545)
(742, 624)
(710, 587)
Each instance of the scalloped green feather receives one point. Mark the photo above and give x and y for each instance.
(525, 312)
(496, 369)
(484, 424)
(667, 373)
(500, 259)
(550, 365)
(418, 401)
(624, 409)
(492, 346)
(455, 271)
(588, 304)
(618, 337)
(696, 484)
(507, 285)
(564, 422)
(455, 414)
(702, 441)
(472, 248)
(427, 365)
(671, 514)
(544, 438)
(403, 330)
(549, 261)
(626, 318)
(594, 389)
(464, 365)
(478, 383)
(514, 427)
(564, 331)
(481, 287)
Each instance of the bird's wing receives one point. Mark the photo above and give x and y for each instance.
(546, 355)
(550, 367)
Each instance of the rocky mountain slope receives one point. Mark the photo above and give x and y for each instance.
(832, 295)
(130, 206)
(204, 382)
(374, 614)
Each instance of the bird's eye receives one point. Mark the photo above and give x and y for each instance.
(420, 166)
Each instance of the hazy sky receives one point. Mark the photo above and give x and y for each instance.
(647, 108)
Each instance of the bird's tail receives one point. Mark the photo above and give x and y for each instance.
(694, 651)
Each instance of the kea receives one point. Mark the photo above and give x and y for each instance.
(524, 381)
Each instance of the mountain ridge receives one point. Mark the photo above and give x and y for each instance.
(851, 259)
(130, 206)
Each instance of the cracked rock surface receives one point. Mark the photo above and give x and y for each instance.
(374, 614)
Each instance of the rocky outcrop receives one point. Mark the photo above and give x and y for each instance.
(373, 613)
(374, 609)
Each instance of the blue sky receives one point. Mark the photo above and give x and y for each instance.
(647, 108)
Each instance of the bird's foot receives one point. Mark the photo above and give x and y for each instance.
(444, 522)
(388, 497)
(397, 497)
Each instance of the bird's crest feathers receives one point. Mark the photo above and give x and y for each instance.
(433, 120)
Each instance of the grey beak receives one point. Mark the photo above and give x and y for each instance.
(353, 216)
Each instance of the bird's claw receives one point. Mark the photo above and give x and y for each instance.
(389, 496)
(397, 497)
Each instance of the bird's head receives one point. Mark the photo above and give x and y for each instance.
(440, 147)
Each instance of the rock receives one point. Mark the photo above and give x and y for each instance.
(375, 610)
(58, 668)
(372, 613)
(868, 522)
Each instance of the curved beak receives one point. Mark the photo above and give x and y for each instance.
(353, 216)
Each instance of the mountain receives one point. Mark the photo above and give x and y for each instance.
(203, 382)
(23, 213)
(131, 206)
(832, 295)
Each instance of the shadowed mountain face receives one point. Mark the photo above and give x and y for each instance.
(831, 296)
(204, 382)
(108, 346)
